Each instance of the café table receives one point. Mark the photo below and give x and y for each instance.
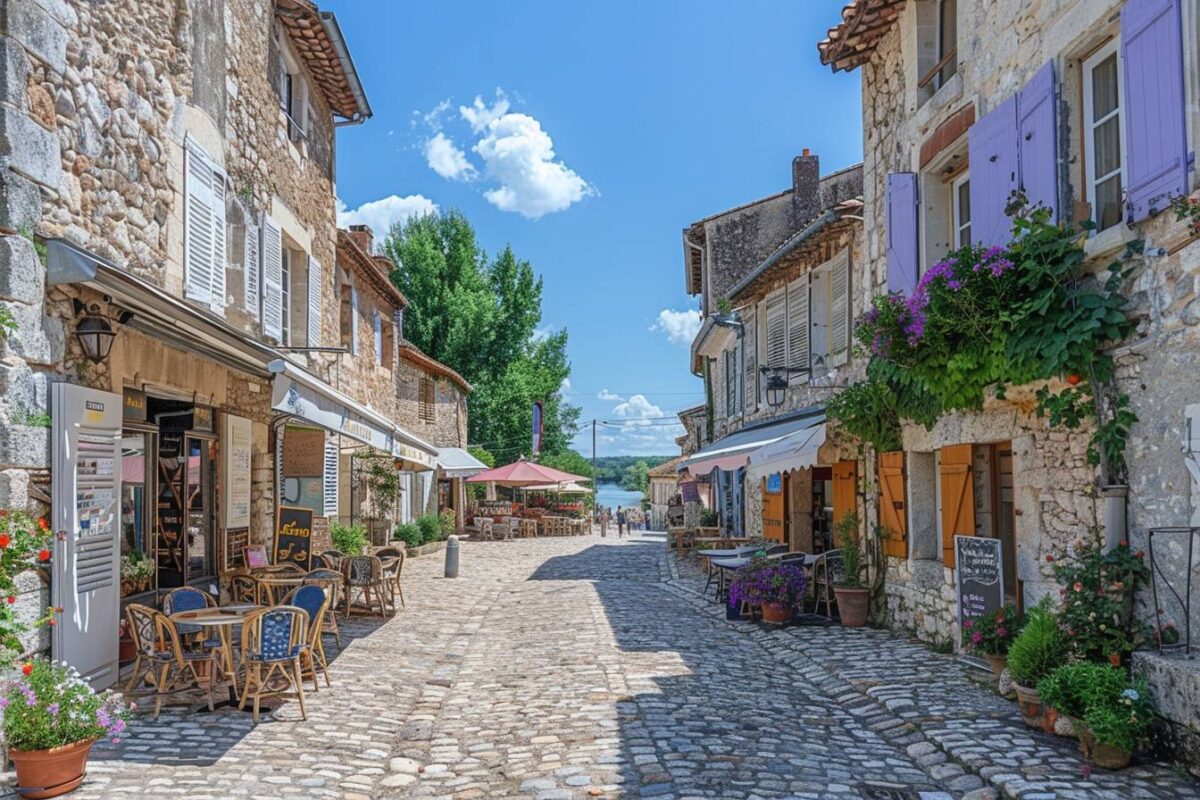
(222, 619)
(271, 587)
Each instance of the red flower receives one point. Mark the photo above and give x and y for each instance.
(1073, 379)
(52, 622)
(5, 540)
(3, 512)
(43, 524)
(1140, 554)
(44, 554)
(27, 669)
(1123, 543)
(12, 598)
(1049, 559)
(1078, 586)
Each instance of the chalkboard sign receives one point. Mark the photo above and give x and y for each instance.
(322, 538)
(980, 569)
(293, 536)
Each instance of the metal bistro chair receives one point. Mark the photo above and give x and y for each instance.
(330, 582)
(392, 560)
(365, 573)
(272, 642)
(315, 603)
(169, 669)
(828, 569)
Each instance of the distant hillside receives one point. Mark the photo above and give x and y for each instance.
(628, 471)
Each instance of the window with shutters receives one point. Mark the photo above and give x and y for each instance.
(285, 298)
(387, 341)
(377, 332)
(960, 207)
(829, 313)
(1103, 136)
(204, 229)
(252, 269)
(750, 360)
(345, 315)
(775, 349)
(292, 87)
(427, 401)
(272, 276)
(797, 323)
(299, 297)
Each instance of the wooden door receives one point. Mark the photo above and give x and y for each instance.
(845, 484)
(893, 516)
(958, 497)
(772, 509)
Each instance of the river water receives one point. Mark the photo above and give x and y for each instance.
(612, 495)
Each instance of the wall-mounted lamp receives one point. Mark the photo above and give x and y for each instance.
(777, 382)
(95, 330)
(730, 320)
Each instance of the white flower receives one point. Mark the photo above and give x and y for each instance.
(1130, 694)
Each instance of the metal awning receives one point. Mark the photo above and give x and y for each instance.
(303, 395)
(457, 462)
(795, 451)
(733, 451)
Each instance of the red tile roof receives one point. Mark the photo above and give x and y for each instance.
(864, 23)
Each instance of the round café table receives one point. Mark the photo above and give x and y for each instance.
(222, 619)
(271, 587)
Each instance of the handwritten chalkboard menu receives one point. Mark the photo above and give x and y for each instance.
(293, 536)
(322, 535)
(980, 569)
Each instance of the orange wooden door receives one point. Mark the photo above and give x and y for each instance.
(772, 512)
(958, 497)
(893, 516)
(845, 483)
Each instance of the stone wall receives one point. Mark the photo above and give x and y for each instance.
(450, 426)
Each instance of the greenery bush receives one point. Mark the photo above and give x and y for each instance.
(410, 534)
(1068, 688)
(1098, 588)
(992, 633)
(846, 533)
(447, 523)
(49, 705)
(348, 539)
(1119, 712)
(709, 518)
(1039, 648)
(430, 527)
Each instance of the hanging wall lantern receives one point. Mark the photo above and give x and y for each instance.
(96, 330)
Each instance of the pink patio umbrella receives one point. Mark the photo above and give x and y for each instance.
(525, 473)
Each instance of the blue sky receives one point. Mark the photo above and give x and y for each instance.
(659, 113)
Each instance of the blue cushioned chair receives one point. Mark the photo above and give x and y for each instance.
(158, 650)
(315, 601)
(273, 641)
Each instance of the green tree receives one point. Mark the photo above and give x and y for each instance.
(483, 455)
(636, 477)
(569, 461)
(479, 317)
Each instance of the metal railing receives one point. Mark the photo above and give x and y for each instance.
(1173, 535)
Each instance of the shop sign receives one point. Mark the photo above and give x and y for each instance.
(202, 419)
(775, 483)
(322, 535)
(133, 407)
(415, 455)
(236, 447)
(293, 536)
(980, 573)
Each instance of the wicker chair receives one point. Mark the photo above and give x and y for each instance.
(392, 559)
(365, 573)
(333, 559)
(243, 588)
(273, 641)
(486, 528)
(828, 569)
(187, 598)
(331, 582)
(315, 602)
(169, 668)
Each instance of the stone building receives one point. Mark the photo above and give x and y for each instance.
(663, 492)
(963, 103)
(170, 259)
(779, 286)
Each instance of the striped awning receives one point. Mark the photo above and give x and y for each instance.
(457, 462)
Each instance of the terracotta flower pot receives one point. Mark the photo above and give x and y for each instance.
(1030, 702)
(1102, 755)
(1049, 718)
(126, 650)
(998, 662)
(777, 613)
(53, 772)
(1114, 659)
(852, 605)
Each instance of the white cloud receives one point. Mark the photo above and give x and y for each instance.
(605, 394)
(680, 327)
(479, 114)
(543, 333)
(637, 408)
(381, 214)
(519, 155)
(640, 429)
(446, 159)
(432, 118)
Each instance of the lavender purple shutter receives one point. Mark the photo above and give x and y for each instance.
(1037, 140)
(993, 158)
(1155, 128)
(902, 232)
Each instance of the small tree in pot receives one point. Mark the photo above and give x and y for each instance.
(1040, 648)
(778, 589)
(852, 596)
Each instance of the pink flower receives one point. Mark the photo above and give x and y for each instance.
(976, 637)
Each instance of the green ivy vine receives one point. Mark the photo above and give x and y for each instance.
(985, 319)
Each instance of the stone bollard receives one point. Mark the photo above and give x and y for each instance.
(452, 557)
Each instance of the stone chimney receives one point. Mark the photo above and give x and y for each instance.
(363, 237)
(806, 188)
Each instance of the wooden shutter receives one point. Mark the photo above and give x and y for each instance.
(314, 302)
(797, 324)
(776, 349)
(750, 359)
(993, 155)
(1037, 140)
(377, 323)
(839, 310)
(353, 321)
(730, 382)
(845, 485)
(772, 513)
(203, 229)
(958, 497)
(329, 483)
(893, 517)
(901, 232)
(1155, 124)
(272, 275)
(252, 269)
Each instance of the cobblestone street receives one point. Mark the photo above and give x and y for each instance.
(584, 667)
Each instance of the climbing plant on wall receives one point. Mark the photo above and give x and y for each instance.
(988, 318)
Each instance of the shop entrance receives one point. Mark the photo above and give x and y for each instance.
(1005, 516)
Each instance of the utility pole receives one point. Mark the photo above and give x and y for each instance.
(595, 482)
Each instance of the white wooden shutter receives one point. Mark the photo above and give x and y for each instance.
(839, 310)
(199, 210)
(797, 324)
(219, 252)
(314, 302)
(377, 324)
(353, 321)
(776, 349)
(252, 269)
(750, 358)
(330, 478)
(272, 275)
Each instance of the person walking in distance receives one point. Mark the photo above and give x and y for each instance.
(620, 522)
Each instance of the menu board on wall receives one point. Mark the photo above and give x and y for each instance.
(236, 447)
(980, 571)
(322, 535)
(293, 536)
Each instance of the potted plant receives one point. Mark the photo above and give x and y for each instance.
(1116, 723)
(1066, 692)
(137, 573)
(51, 718)
(777, 589)
(852, 596)
(1034, 654)
(126, 649)
(990, 636)
(1097, 590)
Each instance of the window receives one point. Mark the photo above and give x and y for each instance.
(960, 207)
(346, 316)
(292, 89)
(285, 337)
(937, 45)
(1103, 147)
(947, 41)
(388, 343)
(427, 401)
(204, 228)
(377, 329)
(731, 381)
